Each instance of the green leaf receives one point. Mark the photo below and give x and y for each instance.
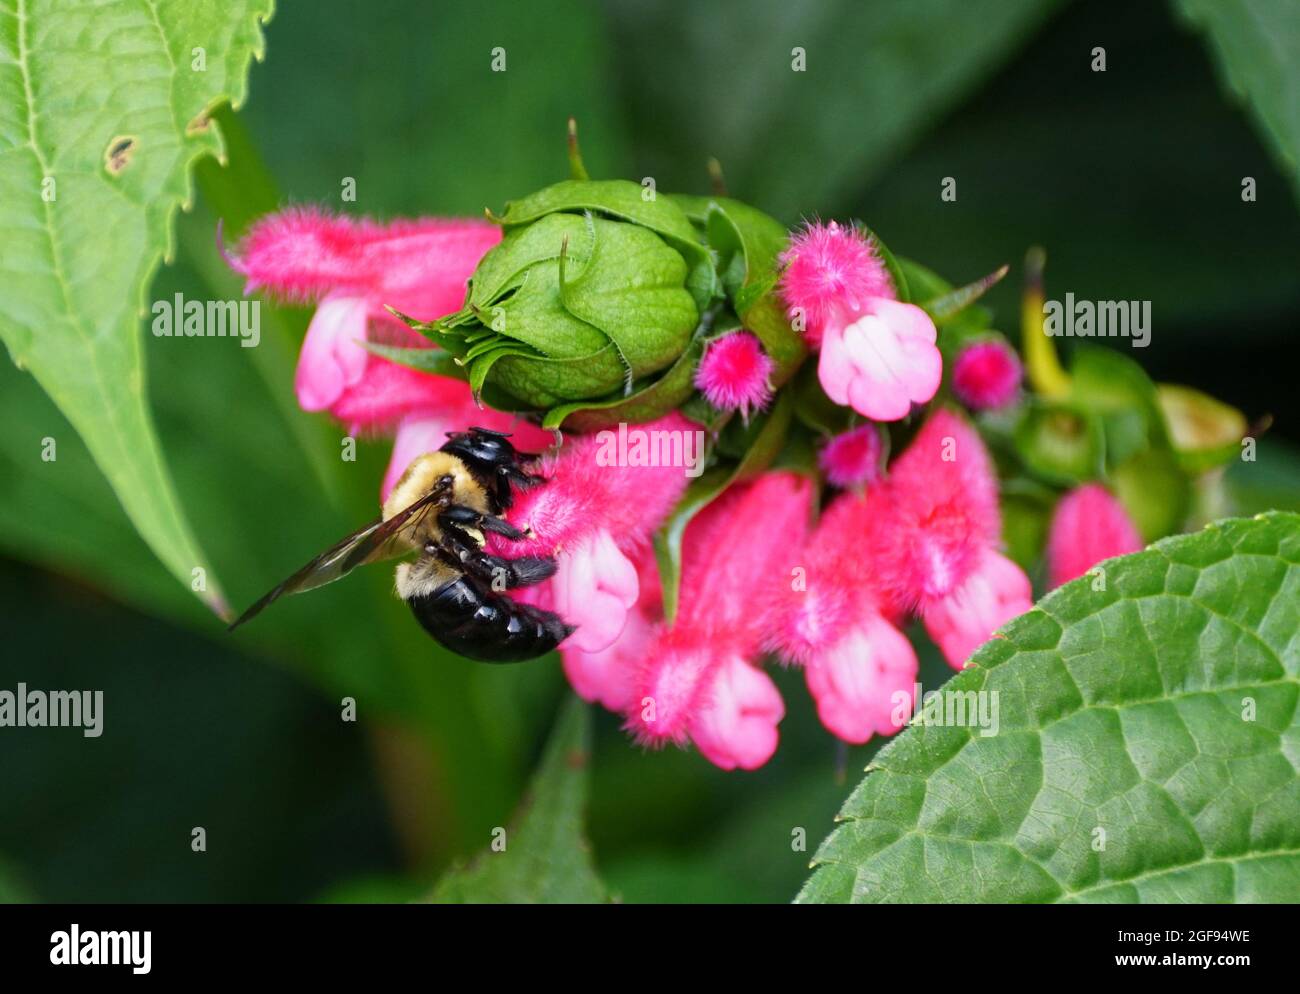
(1257, 45)
(1145, 745)
(546, 858)
(106, 114)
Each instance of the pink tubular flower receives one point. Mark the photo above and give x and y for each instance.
(856, 680)
(996, 591)
(834, 582)
(736, 551)
(854, 658)
(986, 375)
(594, 588)
(608, 676)
(853, 458)
(735, 373)
(1089, 525)
(596, 515)
(877, 355)
(354, 269)
(736, 727)
(941, 515)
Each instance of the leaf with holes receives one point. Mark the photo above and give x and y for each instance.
(1145, 746)
(107, 106)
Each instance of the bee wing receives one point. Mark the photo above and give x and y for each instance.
(378, 540)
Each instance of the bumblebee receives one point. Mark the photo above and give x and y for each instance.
(442, 508)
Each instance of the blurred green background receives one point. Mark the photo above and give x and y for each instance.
(1131, 178)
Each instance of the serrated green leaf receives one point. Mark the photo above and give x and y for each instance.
(546, 858)
(105, 114)
(1146, 745)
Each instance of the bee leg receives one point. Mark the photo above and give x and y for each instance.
(458, 517)
(506, 574)
(501, 573)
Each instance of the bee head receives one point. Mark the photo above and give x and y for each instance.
(482, 449)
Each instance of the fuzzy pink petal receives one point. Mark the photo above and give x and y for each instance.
(332, 358)
(584, 493)
(736, 727)
(855, 680)
(595, 587)
(1089, 525)
(941, 514)
(836, 581)
(830, 272)
(419, 267)
(737, 550)
(608, 676)
(994, 593)
(671, 690)
(389, 392)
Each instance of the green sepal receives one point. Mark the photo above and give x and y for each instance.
(1114, 387)
(897, 276)
(749, 244)
(1204, 432)
(437, 361)
(950, 303)
(1060, 443)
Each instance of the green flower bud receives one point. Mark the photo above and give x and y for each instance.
(593, 289)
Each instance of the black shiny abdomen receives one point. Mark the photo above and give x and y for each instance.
(475, 621)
